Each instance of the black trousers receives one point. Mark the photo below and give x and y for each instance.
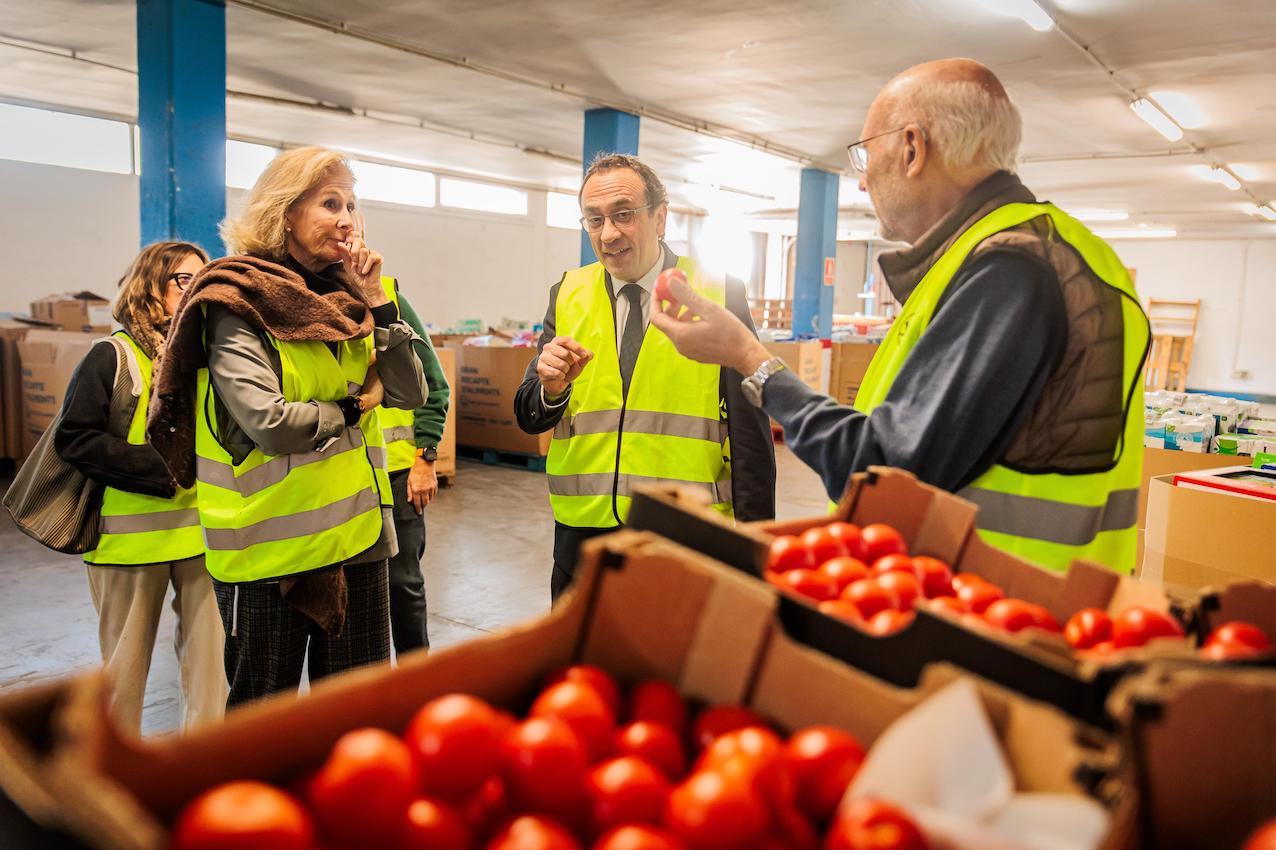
(407, 584)
(267, 639)
(567, 540)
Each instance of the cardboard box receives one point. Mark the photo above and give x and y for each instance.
(642, 608)
(78, 311)
(850, 362)
(1164, 462)
(11, 422)
(484, 396)
(1198, 538)
(806, 359)
(48, 360)
(445, 465)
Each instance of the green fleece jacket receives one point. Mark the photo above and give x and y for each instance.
(428, 419)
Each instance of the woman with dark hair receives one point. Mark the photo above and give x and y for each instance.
(150, 535)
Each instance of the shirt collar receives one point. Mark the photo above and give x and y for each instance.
(647, 281)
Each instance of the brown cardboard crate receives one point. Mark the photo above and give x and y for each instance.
(643, 607)
(84, 312)
(48, 359)
(849, 363)
(12, 426)
(806, 359)
(484, 396)
(445, 465)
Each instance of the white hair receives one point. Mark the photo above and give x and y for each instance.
(969, 126)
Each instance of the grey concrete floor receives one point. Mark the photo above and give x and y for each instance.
(487, 564)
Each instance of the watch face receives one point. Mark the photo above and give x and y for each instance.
(751, 387)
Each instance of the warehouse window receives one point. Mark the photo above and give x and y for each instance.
(376, 182)
(484, 197)
(59, 138)
(245, 162)
(562, 210)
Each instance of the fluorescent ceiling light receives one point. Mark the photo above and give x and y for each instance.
(1140, 233)
(1157, 119)
(1181, 108)
(1216, 175)
(1099, 215)
(1264, 211)
(1026, 10)
(1245, 172)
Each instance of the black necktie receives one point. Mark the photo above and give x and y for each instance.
(631, 340)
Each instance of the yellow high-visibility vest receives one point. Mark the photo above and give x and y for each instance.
(396, 424)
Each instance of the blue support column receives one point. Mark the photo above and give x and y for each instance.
(181, 97)
(816, 253)
(606, 131)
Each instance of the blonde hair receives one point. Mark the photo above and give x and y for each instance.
(970, 126)
(143, 284)
(259, 230)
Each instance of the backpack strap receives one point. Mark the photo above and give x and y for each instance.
(128, 387)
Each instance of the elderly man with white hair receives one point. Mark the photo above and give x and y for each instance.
(1012, 374)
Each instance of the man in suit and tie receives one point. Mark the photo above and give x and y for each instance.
(625, 407)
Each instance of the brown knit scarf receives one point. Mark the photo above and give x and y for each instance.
(275, 299)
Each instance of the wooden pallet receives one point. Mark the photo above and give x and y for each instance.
(776, 313)
(493, 457)
(1173, 334)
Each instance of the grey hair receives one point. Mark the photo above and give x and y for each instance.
(970, 126)
(607, 161)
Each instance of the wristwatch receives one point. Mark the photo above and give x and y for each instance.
(429, 455)
(752, 385)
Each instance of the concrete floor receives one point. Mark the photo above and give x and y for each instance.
(487, 564)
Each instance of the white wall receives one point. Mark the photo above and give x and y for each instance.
(1236, 282)
(68, 229)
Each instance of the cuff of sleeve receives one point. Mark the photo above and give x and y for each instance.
(554, 405)
(784, 392)
(396, 334)
(385, 315)
(331, 421)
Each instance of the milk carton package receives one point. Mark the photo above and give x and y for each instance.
(1153, 431)
(1258, 427)
(1187, 434)
(1241, 445)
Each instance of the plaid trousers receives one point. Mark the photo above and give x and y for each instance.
(267, 639)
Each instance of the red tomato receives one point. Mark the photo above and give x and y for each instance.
(960, 580)
(533, 833)
(790, 829)
(627, 790)
(546, 768)
(842, 610)
(1263, 838)
(1012, 615)
(1238, 639)
(1088, 627)
(1102, 649)
(874, 825)
(711, 811)
(851, 538)
(658, 744)
(822, 545)
(894, 562)
(812, 584)
(935, 575)
(436, 825)
(788, 553)
(977, 595)
(362, 792)
(1138, 625)
(638, 837)
(718, 720)
(905, 586)
(843, 571)
(758, 753)
(869, 597)
(581, 707)
(947, 605)
(485, 808)
(600, 679)
(243, 816)
(1042, 618)
(889, 622)
(880, 540)
(824, 760)
(455, 740)
(663, 292)
(658, 702)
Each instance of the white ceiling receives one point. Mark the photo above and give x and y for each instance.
(799, 75)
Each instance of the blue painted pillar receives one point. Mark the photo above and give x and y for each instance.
(181, 109)
(606, 131)
(816, 252)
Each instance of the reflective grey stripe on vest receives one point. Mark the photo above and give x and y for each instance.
(1054, 522)
(274, 470)
(642, 422)
(379, 456)
(292, 526)
(399, 432)
(142, 523)
(600, 483)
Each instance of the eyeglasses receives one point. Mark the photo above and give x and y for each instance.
(858, 154)
(182, 279)
(620, 218)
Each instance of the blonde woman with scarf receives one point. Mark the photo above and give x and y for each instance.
(150, 534)
(267, 398)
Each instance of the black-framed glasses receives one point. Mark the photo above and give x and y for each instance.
(858, 154)
(620, 218)
(182, 279)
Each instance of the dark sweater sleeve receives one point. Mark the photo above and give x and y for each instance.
(749, 429)
(530, 412)
(965, 390)
(82, 439)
